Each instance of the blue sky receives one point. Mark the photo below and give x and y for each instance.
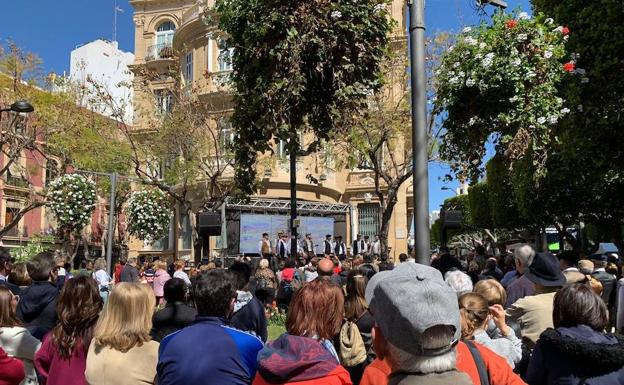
(52, 28)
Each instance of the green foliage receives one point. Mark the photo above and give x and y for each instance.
(36, 244)
(148, 214)
(591, 141)
(500, 81)
(435, 233)
(72, 200)
(503, 209)
(479, 203)
(299, 66)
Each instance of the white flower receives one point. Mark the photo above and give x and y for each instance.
(472, 121)
(521, 37)
(566, 37)
(516, 62)
(336, 15)
(548, 54)
(482, 45)
(451, 48)
(453, 80)
(456, 64)
(471, 40)
(565, 111)
(461, 74)
(379, 7)
(530, 74)
(466, 30)
(479, 56)
(558, 29)
(549, 21)
(470, 82)
(553, 120)
(579, 108)
(541, 120)
(585, 80)
(523, 16)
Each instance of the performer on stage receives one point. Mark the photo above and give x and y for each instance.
(328, 245)
(359, 246)
(282, 250)
(376, 246)
(340, 248)
(308, 246)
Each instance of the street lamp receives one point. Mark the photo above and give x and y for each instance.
(420, 176)
(21, 106)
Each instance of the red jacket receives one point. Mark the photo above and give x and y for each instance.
(295, 360)
(11, 370)
(498, 369)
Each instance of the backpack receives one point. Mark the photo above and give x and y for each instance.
(352, 350)
(479, 363)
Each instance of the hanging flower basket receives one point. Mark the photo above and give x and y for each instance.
(148, 214)
(500, 82)
(72, 200)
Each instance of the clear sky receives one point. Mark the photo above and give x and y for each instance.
(53, 28)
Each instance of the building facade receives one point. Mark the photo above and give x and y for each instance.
(106, 64)
(183, 34)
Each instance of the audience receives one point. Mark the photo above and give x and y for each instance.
(63, 355)
(176, 314)
(122, 352)
(11, 370)
(522, 286)
(37, 305)
(228, 356)
(15, 340)
(305, 354)
(248, 314)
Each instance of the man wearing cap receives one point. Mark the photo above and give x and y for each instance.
(340, 248)
(417, 333)
(608, 280)
(308, 246)
(417, 325)
(534, 313)
(328, 245)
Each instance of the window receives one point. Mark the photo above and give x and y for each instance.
(188, 67)
(368, 219)
(186, 231)
(12, 210)
(164, 34)
(209, 56)
(164, 101)
(226, 132)
(225, 59)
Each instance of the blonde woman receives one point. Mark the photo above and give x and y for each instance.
(160, 278)
(122, 352)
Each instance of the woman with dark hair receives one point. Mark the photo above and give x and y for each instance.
(305, 355)
(356, 311)
(577, 350)
(62, 357)
(15, 339)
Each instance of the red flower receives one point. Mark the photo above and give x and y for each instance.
(565, 31)
(569, 67)
(511, 23)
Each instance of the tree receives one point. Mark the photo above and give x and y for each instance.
(184, 146)
(58, 136)
(299, 66)
(478, 201)
(591, 140)
(379, 137)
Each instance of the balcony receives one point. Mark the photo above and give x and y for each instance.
(162, 51)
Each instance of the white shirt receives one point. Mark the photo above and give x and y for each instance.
(376, 247)
(183, 276)
(570, 269)
(102, 278)
(599, 269)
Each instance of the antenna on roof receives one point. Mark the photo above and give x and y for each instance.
(116, 10)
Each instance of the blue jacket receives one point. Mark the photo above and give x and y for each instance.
(577, 355)
(208, 352)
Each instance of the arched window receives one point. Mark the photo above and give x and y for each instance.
(164, 34)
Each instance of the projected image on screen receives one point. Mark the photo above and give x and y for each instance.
(253, 225)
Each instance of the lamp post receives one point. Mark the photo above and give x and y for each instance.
(20, 106)
(420, 159)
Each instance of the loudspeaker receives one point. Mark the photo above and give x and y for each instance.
(208, 223)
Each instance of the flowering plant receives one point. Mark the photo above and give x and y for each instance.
(500, 82)
(72, 200)
(148, 215)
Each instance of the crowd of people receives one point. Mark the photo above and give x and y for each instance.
(526, 317)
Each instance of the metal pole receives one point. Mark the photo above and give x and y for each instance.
(293, 198)
(419, 130)
(111, 225)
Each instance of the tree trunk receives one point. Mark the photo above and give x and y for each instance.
(386, 216)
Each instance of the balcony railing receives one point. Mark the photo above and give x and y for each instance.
(159, 52)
